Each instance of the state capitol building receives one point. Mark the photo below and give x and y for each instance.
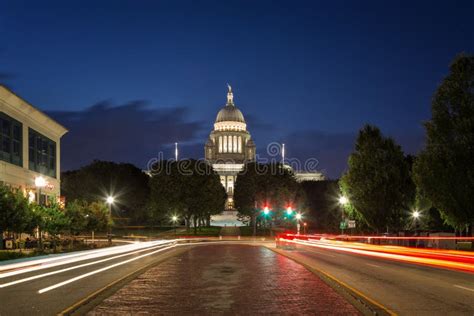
(230, 146)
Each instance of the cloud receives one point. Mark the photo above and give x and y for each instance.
(134, 132)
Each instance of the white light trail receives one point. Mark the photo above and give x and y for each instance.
(46, 263)
(75, 267)
(55, 286)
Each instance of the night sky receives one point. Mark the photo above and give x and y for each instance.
(129, 78)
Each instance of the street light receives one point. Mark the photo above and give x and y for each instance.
(304, 227)
(40, 183)
(289, 210)
(110, 200)
(343, 201)
(174, 219)
(298, 219)
(416, 215)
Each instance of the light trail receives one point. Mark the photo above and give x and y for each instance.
(46, 263)
(38, 276)
(85, 275)
(381, 252)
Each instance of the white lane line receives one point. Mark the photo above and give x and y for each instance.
(38, 276)
(463, 287)
(373, 265)
(55, 286)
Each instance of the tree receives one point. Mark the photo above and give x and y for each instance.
(94, 182)
(51, 219)
(84, 216)
(444, 170)
(189, 188)
(377, 181)
(324, 213)
(15, 212)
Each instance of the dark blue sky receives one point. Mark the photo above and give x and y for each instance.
(129, 78)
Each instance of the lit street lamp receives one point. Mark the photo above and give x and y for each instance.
(416, 215)
(289, 210)
(174, 219)
(298, 219)
(343, 201)
(110, 200)
(40, 183)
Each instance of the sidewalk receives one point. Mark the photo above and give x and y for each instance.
(226, 279)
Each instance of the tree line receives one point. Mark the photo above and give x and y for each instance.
(385, 187)
(189, 190)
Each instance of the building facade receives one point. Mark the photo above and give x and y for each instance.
(229, 146)
(29, 148)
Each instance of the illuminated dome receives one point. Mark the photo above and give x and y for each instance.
(230, 113)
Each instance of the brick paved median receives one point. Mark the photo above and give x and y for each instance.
(226, 279)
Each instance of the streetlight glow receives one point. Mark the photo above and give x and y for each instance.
(298, 216)
(40, 182)
(289, 210)
(416, 214)
(110, 200)
(174, 218)
(343, 200)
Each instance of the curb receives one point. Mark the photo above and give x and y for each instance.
(87, 303)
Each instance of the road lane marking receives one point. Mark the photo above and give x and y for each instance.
(373, 265)
(463, 287)
(55, 286)
(38, 276)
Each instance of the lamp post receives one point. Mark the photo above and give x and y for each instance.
(174, 219)
(298, 226)
(110, 200)
(40, 183)
(304, 227)
(416, 214)
(342, 202)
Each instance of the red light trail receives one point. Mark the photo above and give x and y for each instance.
(448, 259)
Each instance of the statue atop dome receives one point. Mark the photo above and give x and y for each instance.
(230, 96)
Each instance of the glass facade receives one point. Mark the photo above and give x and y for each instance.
(11, 140)
(42, 153)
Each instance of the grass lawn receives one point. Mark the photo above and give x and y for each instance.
(248, 231)
(211, 231)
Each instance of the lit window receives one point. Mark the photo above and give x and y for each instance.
(220, 144)
(225, 143)
(240, 144)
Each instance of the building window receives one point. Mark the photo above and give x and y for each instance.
(42, 153)
(240, 144)
(225, 143)
(231, 147)
(220, 144)
(235, 143)
(11, 140)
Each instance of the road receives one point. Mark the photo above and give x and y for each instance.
(48, 286)
(403, 287)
